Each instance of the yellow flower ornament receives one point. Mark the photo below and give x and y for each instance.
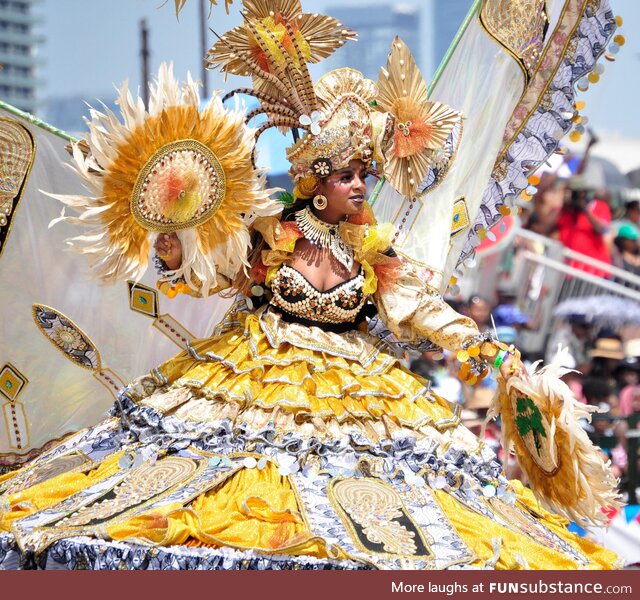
(168, 168)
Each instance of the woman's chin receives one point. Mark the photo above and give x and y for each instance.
(356, 206)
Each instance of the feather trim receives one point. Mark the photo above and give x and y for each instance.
(541, 422)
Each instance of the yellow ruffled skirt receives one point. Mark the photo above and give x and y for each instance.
(288, 440)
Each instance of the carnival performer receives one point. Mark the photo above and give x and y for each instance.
(293, 437)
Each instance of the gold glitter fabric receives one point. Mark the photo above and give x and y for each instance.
(320, 376)
(415, 311)
(518, 27)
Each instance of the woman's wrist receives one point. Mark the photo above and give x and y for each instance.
(500, 358)
(172, 263)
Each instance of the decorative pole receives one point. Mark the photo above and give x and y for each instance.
(454, 44)
(144, 55)
(203, 49)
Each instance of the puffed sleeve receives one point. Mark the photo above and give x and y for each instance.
(413, 311)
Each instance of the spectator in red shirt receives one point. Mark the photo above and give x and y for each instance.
(582, 226)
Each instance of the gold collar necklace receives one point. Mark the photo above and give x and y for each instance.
(324, 235)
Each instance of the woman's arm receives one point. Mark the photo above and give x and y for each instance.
(413, 310)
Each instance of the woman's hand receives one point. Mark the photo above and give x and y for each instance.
(506, 367)
(510, 365)
(169, 249)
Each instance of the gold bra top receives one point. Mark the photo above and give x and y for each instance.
(296, 297)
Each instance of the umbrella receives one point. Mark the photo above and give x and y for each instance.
(604, 174)
(634, 178)
(604, 310)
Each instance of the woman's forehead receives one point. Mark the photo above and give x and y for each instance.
(354, 165)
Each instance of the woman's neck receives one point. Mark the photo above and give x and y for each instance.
(327, 217)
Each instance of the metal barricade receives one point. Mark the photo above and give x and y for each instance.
(535, 268)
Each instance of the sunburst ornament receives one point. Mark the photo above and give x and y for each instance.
(421, 127)
(171, 168)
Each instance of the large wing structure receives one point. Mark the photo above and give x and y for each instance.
(68, 342)
(513, 76)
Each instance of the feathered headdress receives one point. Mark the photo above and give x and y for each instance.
(344, 116)
(168, 168)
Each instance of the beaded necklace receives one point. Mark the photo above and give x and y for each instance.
(325, 235)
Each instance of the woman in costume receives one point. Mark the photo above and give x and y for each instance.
(293, 435)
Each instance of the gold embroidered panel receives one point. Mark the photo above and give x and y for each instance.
(17, 152)
(535, 431)
(16, 425)
(75, 344)
(11, 382)
(519, 27)
(460, 217)
(376, 518)
(33, 475)
(143, 299)
(67, 337)
(112, 500)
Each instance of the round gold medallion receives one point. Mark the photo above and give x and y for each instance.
(180, 186)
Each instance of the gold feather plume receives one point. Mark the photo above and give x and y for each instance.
(540, 423)
(274, 45)
(421, 126)
(171, 168)
(180, 4)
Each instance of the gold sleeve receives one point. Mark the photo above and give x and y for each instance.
(413, 311)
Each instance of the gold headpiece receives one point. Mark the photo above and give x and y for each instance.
(274, 45)
(341, 128)
(344, 116)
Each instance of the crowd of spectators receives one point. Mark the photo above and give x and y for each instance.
(568, 207)
(604, 364)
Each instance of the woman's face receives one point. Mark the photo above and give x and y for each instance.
(630, 246)
(345, 191)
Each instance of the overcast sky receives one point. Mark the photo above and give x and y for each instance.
(93, 44)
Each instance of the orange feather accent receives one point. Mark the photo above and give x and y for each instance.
(420, 134)
(290, 234)
(387, 272)
(364, 217)
(258, 272)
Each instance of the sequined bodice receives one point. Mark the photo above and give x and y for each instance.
(296, 296)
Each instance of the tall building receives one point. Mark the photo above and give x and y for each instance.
(19, 54)
(446, 19)
(376, 26)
